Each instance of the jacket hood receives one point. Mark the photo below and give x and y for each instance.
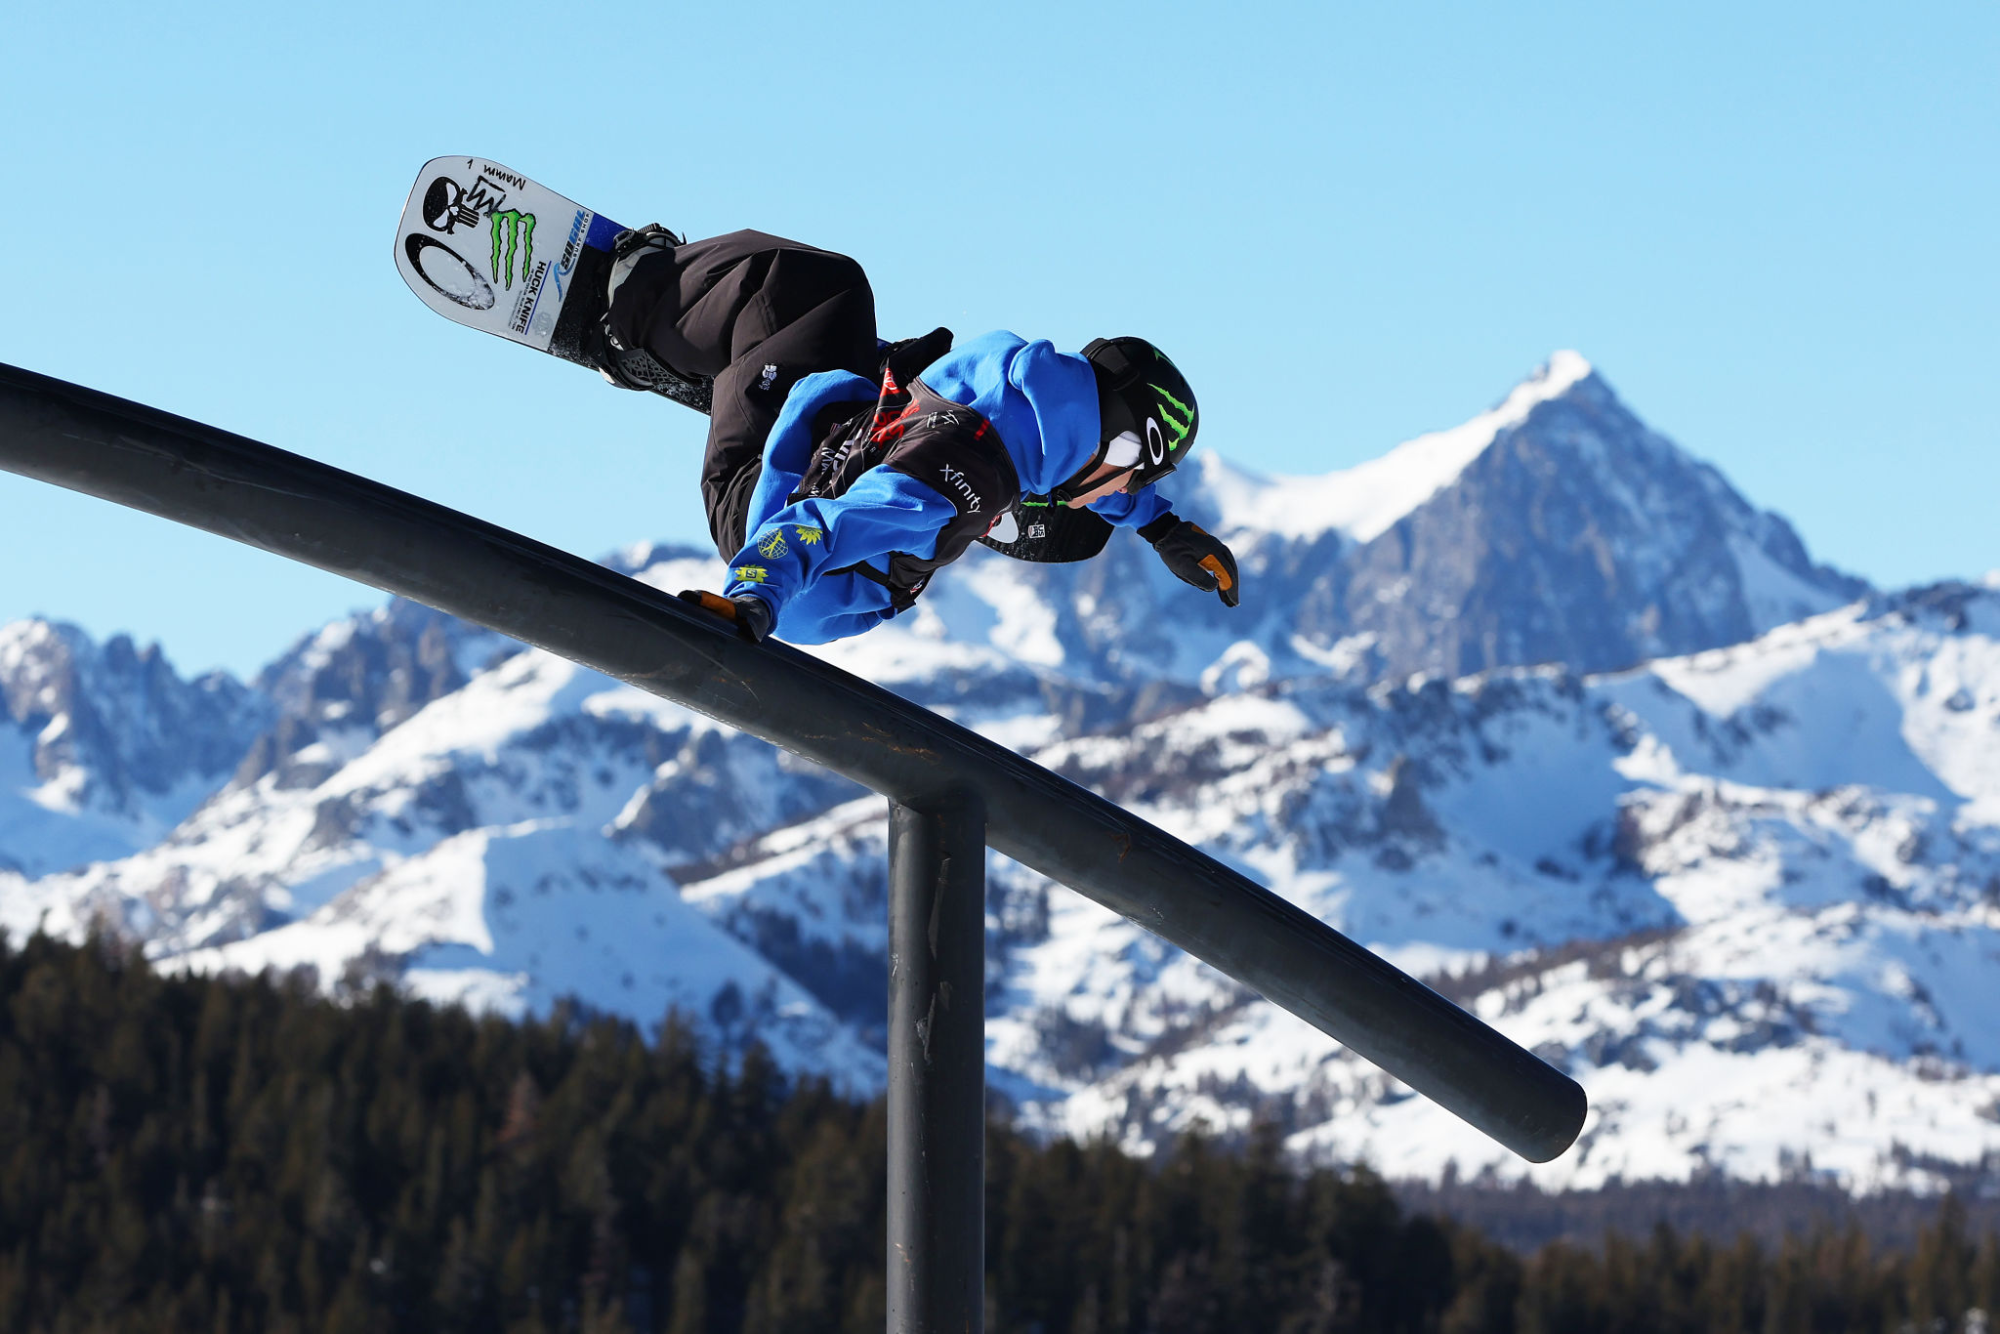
(1043, 402)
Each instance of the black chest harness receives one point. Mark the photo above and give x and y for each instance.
(948, 447)
(954, 451)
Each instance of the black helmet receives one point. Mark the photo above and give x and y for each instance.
(1142, 395)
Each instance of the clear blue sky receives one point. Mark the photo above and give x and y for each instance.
(1772, 227)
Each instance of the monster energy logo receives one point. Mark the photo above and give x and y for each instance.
(513, 231)
(1168, 406)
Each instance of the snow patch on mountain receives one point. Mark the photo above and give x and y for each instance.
(518, 917)
(1364, 502)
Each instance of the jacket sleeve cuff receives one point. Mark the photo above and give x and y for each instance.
(1160, 527)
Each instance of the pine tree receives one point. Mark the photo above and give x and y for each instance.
(1941, 1268)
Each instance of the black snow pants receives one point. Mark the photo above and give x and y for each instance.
(758, 313)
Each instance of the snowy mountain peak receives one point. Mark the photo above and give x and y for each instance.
(1554, 527)
(1555, 377)
(1365, 501)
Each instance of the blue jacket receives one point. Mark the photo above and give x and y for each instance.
(1043, 404)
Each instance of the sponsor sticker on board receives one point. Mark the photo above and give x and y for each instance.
(489, 248)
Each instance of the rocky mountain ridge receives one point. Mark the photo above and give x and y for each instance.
(103, 749)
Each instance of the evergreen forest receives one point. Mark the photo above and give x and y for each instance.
(242, 1155)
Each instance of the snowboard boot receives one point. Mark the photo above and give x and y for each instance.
(635, 367)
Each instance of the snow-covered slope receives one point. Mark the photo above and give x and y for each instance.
(507, 843)
(1750, 898)
(517, 917)
(1790, 853)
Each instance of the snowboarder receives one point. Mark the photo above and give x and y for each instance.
(841, 472)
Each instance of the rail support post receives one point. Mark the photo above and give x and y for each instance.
(937, 1066)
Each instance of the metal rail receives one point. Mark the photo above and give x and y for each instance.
(294, 507)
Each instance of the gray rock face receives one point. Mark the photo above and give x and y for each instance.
(110, 738)
(1581, 537)
(119, 711)
(342, 687)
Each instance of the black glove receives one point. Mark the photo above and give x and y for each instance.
(752, 615)
(1195, 556)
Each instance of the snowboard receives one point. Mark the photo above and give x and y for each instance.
(488, 248)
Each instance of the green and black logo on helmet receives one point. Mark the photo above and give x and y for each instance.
(1141, 392)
